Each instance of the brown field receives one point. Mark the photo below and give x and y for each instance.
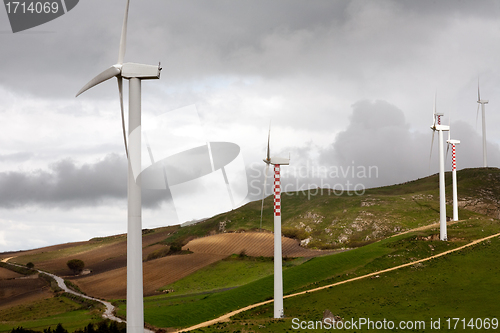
(23, 290)
(157, 273)
(8, 274)
(254, 244)
(41, 250)
(107, 261)
(98, 258)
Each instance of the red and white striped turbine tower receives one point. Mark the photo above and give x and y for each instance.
(453, 144)
(276, 162)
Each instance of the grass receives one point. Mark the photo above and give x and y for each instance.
(171, 312)
(48, 312)
(370, 218)
(228, 273)
(17, 269)
(379, 213)
(463, 284)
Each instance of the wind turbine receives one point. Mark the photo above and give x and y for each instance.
(436, 126)
(276, 162)
(482, 102)
(453, 143)
(135, 73)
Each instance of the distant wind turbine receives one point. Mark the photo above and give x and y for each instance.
(436, 126)
(277, 162)
(134, 73)
(453, 143)
(482, 102)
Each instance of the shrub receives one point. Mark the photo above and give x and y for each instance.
(18, 269)
(158, 253)
(76, 265)
(295, 233)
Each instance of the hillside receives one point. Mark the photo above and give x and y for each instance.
(319, 220)
(324, 220)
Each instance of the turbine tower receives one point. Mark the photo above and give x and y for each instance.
(453, 143)
(276, 162)
(436, 126)
(135, 73)
(482, 102)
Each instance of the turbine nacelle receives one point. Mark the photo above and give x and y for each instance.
(483, 101)
(128, 70)
(277, 160)
(453, 142)
(140, 71)
(440, 128)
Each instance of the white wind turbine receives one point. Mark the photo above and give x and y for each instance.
(453, 143)
(482, 102)
(277, 162)
(436, 126)
(134, 73)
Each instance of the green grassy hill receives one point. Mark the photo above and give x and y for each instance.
(324, 220)
(330, 221)
(170, 311)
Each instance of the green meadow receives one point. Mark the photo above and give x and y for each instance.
(48, 313)
(463, 284)
(172, 311)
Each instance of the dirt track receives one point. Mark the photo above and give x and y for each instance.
(227, 316)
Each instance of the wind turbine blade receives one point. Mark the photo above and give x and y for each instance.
(477, 113)
(449, 126)
(123, 39)
(478, 93)
(106, 75)
(432, 144)
(263, 196)
(447, 149)
(120, 89)
(268, 139)
(434, 111)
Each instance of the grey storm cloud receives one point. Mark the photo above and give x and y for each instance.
(194, 39)
(67, 185)
(379, 136)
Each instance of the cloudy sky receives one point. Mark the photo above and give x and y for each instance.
(346, 85)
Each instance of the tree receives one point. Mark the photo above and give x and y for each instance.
(76, 265)
(60, 329)
(30, 265)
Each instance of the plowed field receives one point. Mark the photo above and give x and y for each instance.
(8, 274)
(23, 290)
(253, 243)
(157, 273)
(97, 256)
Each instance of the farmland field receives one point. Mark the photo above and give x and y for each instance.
(253, 244)
(436, 289)
(226, 271)
(157, 273)
(8, 274)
